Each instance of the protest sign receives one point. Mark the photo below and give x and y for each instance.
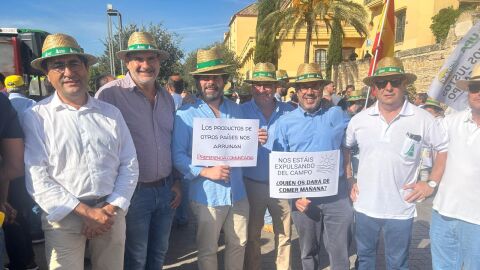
(222, 141)
(458, 66)
(304, 174)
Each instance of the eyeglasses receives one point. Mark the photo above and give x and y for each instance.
(61, 66)
(380, 84)
(474, 88)
(304, 89)
(265, 86)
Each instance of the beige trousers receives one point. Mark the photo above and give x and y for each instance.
(233, 220)
(259, 198)
(65, 244)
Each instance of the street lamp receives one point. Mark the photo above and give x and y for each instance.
(111, 13)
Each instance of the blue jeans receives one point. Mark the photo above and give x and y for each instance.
(149, 220)
(397, 234)
(454, 242)
(181, 215)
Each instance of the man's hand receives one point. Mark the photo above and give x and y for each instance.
(187, 98)
(420, 191)
(352, 182)
(262, 136)
(10, 213)
(302, 204)
(219, 172)
(177, 194)
(96, 220)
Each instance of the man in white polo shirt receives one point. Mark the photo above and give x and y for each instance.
(455, 228)
(390, 135)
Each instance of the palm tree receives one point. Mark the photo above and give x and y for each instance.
(307, 14)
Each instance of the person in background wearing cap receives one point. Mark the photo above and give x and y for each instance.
(217, 193)
(81, 165)
(455, 226)
(267, 110)
(149, 112)
(282, 85)
(311, 128)
(390, 135)
(17, 235)
(433, 107)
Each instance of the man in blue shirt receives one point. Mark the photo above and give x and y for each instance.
(267, 110)
(217, 193)
(311, 128)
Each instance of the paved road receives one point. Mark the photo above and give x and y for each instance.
(182, 253)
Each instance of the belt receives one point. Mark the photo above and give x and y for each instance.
(93, 202)
(157, 183)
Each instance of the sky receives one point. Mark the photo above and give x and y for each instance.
(198, 23)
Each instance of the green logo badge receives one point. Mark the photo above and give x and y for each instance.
(410, 151)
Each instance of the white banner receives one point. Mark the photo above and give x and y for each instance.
(457, 67)
(221, 141)
(304, 174)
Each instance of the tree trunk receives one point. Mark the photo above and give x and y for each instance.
(308, 39)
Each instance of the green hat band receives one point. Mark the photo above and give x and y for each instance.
(357, 97)
(263, 74)
(388, 69)
(308, 76)
(282, 78)
(210, 63)
(60, 51)
(141, 47)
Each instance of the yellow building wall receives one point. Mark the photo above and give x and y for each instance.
(417, 22)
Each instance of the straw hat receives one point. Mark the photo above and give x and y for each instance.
(14, 83)
(142, 42)
(432, 103)
(387, 67)
(263, 72)
(474, 78)
(308, 72)
(210, 62)
(60, 45)
(281, 74)
(357, 94)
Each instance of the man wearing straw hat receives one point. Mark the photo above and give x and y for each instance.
(148, 110)
(267, 110)
(217, 194)
(390, 135)
(81, 165)
(311, 128)
(455, 227)
(433, 107)
(282, 84)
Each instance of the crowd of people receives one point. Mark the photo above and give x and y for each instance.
(116, 170)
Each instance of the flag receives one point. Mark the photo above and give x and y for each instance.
(385, 37)
(458, 66)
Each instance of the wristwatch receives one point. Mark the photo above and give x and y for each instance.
(432, 184)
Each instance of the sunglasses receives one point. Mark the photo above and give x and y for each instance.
(474, 88)
(380, 84)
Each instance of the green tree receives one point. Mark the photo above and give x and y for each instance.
(266, 47)
(442, 21)
(229, 58)
(168, 41)
(334, 53)
(307, 14)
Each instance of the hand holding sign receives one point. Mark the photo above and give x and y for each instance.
(262, 136)
(218, 173)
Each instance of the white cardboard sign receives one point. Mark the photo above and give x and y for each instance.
(304, 174)
(222, 141)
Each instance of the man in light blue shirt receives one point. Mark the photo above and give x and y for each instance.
(267, 110)
(217, 193)
(311, 128)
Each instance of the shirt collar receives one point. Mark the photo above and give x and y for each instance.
(12, 95)
(305, 113)
(58, 104)
(407, 109)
